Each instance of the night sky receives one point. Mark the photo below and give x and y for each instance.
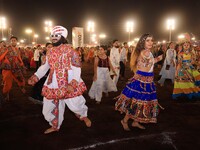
(109, 16)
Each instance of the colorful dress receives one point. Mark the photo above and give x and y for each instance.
(65, 71)
(12, 68)
(188, 80)
(139, 99)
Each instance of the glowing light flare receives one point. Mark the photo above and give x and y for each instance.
(2, 23)
(21, 41)
(28, 31)
(4, 39)
(136, 39)
(181, 36)
(47, 38)
(130, 43)
(93, 37)
(170, 24)
(36, 35)
(129, 26)
(102, 36)
(48, 25)
(90, 26)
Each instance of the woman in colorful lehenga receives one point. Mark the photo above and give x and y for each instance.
(187, 77)
(197, 63)
(138, 99)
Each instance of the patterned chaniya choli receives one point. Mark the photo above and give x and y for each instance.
(104, 83)
(139, 99)
(188, 78)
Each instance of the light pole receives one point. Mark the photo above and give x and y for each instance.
(2, 25)
(90, 29)
(129, 29)
(29, 31)
(170, 27)
(10, 32)
(35, 37)
(101, 36)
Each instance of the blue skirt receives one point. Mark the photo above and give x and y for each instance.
(139, 99)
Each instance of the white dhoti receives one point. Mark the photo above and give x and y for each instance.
(75, 104)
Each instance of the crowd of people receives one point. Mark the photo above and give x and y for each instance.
(57, 79)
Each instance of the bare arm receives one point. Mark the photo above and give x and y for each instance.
(157, 59)
(96, 60)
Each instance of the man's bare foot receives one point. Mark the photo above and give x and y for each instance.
(87, 121)
(125, 125)
(50, 130)
(136, 124)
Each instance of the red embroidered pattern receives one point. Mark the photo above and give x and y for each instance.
(60, 59)
(62, 93)
(144, 79)
(55, 112)
(141, 111)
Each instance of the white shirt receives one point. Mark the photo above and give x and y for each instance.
(170, 56)
(115, 57)
(36, 55)
(123, 54)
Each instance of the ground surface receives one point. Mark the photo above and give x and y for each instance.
(22, 124)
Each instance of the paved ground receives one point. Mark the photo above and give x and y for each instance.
(22, 124)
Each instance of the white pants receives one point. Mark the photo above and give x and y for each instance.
(75, 104)
(116, 78)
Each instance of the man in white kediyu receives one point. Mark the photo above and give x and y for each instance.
(115, 60)
(64, 84)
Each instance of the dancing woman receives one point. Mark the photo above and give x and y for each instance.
(138, 100)
(187, 80)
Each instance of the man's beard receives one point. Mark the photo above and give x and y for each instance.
(57, 43)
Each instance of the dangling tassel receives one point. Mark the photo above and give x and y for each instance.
(151, 86)
(161, 106)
